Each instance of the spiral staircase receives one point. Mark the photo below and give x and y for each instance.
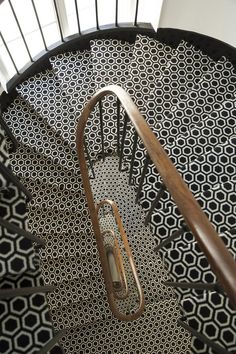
(53, 293)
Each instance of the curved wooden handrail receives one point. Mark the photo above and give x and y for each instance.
(121, 229)
(120, 267)
(220, 259)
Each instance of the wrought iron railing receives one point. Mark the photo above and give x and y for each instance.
(218, 256)
(62, 38)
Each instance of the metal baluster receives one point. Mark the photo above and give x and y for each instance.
(154, 204)
(21, 33)
(39, 24)
(123, 141)
(171, 238)
(52, 342)
(77, 16)
(11, 177)
(133, 157)
(146, 163)
(101, 126)
(17, 230)
(8, 133)
(9, 53)
(9, 293)
(88, 156)
(96, 13)
(118, 125)
(216, 347)
(116, 17)
(136, 13)
(58, 20)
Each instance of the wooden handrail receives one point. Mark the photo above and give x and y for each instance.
(219, 258)
(120, 267)
(121, 229)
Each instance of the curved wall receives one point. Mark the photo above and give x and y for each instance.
(214, 18)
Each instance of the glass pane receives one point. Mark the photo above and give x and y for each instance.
(12, 36)
(87, 14)
(126, 11)
(71, 16)
(150, 13)
(106, 12)
(48, 20)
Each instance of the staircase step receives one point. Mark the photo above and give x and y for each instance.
(207, 134)
(58, 221)
(17, 252)
(4, 158)
(211, 315)
(43, 92)
(25, 324)
(67, 245)
(184, 70)
(189, 264)
(57, 270)
(76, 290)
(79, 314)
(30, 278)
(215, 167)
(137, 338)
(74, 71)
(29, 164)
(32, 130)
(150, 57)
(50, 196)
(218, 204)
(217, 86)
(111, 61)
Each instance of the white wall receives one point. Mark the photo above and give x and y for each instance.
(215, 18)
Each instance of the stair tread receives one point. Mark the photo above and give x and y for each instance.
(17, 252)
(143, 74)
(215, 167)
(210, 132)
(32, 130)
(152, 320)
(43, 168)
(74, 71)
(43, 91)
(111, 61)
(165, 222)
(46, 195)
(4, 157)
(57, 221)
(60, 269)
(183, 71)
(67, 244)
(200, 312)
(25, 323)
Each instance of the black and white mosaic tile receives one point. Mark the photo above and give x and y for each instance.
(44, 94)
(17, 252)
(181, 74)
(111, 61)
(29, 164)
(212, 316)
(135, 339)
(218, 204)
(150, 58)
(4, 158)
(32, 130)
(25, 324)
